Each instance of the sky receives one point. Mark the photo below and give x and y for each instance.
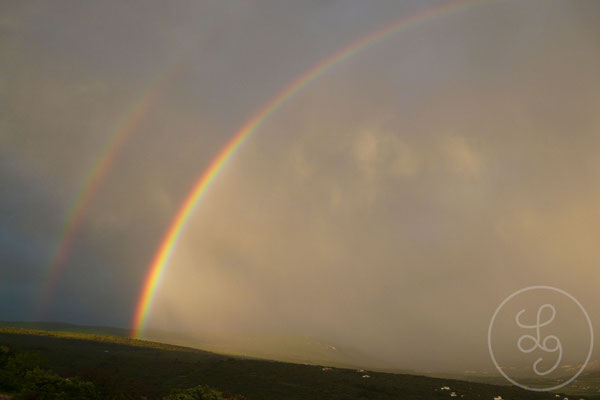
(389, 206)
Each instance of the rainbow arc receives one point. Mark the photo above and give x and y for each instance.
(178, 223)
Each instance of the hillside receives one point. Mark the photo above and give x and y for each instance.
(279, 347)
(131, 368)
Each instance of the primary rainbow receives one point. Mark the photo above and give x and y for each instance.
(92, 182)
(165, 249)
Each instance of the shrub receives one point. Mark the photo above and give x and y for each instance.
(197, 393)
(41, 384)
(20, 374)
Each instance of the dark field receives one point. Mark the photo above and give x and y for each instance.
(126, 368)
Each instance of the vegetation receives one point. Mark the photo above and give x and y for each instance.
(122, 368)
(20, 376)
(201, 393)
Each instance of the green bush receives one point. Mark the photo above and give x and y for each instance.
(20, 374)
(42, 385)
(197, 393)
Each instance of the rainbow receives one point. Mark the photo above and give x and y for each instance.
(170, 239)
(92, 182)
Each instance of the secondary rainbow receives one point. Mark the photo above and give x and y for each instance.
(92, 182)
(169, 241)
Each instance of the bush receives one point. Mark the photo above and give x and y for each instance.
(20, 374)
(197, 393)
(42, 385)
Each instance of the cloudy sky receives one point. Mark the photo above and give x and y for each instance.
(390, 206)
